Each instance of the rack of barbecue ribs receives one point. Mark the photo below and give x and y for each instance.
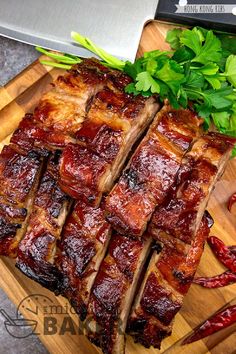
(151, 170)
(84, 229)
(181, 228)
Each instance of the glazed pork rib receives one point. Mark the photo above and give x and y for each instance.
(82, 248)
(113, 292)
(151, 171)
(162, 292)
(19, 175)
(36, 252)
(61, 111)
(114, 122)
(181, 213)
(181, 229)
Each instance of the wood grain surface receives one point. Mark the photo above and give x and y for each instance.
(20, 96)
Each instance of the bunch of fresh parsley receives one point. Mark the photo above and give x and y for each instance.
(200, 71)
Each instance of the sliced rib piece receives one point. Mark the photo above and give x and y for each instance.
(113, 292)
(114, 122)
(35, 257)
(181, 228)
(82, 248)
(180, 214)
(161, 295)
(19, 175)
(61, 111)
(151, 170)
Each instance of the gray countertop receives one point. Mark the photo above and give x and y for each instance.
(14, 57)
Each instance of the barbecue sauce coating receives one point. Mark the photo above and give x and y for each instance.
(18, 174)
(84, 239)
(114, 121)
(36, 250)
(31, 136)
(62, 111)
(64, 108)
(110, 291)
(179, 269)
(150, 322)
(151, 171)
(178, 214)
(80, 172)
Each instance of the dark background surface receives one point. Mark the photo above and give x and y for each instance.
(224, 22)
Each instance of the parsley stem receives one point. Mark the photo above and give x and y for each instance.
(59, 57)
(55, 64)
(88, 44)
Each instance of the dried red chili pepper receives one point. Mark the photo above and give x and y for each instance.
(217, 281)
(215, 323)
(223, 253)
(231, 201)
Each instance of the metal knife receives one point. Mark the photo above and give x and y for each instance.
(114, 25)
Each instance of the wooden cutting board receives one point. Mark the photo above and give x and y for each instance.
(57, 325)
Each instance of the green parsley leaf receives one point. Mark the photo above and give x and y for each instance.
(234, 152)
(151, 66)
(183, 54)
(228, 43)
(194, 80)
(214, 82)
(221, 120)
(208, 69)
(230, 69)
(172, 74)
(218, 99)
(133, 69)
(155, 54)
(182, 98)
(192, 40)
(210, 51)
(173, 38)
(204, 110)
(130, 88)
(173, 101)
(146, 82)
